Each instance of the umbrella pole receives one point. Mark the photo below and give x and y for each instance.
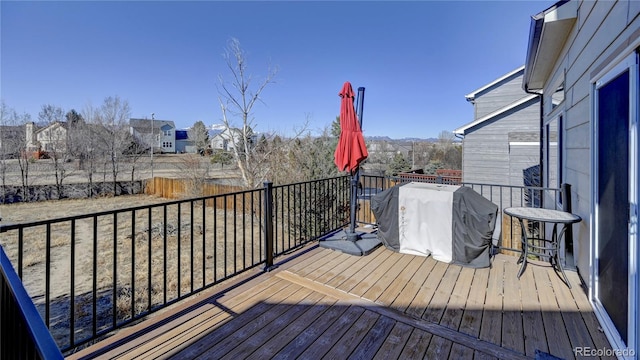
(352, 235)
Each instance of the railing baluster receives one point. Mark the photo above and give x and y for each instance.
(204, 244)
(47, 289)
(235, 228)
(115, 267)
(215, 239)
(289, 214)
(164, 249)
(268, 224)
(191, 234)
(20, 251)
(261, 233)
(133, 264)
(179, 249)
(149, 258)
(224, 236)
(72, 286)
(253, 244)
(94, 305)
(244, 231)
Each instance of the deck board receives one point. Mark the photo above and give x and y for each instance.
(264, 333)
(427, 290)
(533, 326)
(395, 342)
(371, 279)
(325, 304)
(584, 308)
(174, 338)
(355, 277)
(400, 281)
(343, 347)
(389, 277)
(287, 334)
(554, 326)
(368, 347)
(417, 345)
(512, 328)
(412, 288)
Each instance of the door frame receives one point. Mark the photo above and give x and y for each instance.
(629, 62)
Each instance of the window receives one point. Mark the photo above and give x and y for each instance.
(554, 152)
(167, 132)
(167, 144)
(558, 96)
(553, 100)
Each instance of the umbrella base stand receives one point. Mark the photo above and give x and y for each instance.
(357, 243)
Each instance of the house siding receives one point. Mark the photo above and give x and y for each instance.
(602, 28)
(487, 155)
(498, 96)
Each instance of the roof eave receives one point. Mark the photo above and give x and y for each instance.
(463, 129)
(548, 33)
(472, 95)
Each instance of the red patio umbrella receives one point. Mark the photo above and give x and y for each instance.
(351, 149)
(350, 152)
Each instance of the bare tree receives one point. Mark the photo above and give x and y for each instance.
(88, 143)
(113, 118)
(12, 141)
(448, 153)
(135, 151)
(19, 144)
(237, 99)
(4, 143)
(56, 138)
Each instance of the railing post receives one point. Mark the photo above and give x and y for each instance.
(268, 225)
(565, 190)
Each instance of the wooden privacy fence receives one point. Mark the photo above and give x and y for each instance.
(185, 188)
(180, 188)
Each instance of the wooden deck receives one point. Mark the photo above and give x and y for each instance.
(324, 304)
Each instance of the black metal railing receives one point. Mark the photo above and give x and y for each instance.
(91, 274)
(23, 334)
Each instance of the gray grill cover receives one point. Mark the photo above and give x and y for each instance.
(474, 220)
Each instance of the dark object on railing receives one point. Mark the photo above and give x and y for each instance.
(268, 225)
(531, 177)
(23, 334)
(566, 206)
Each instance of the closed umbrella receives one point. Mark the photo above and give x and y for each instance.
(351, 149)
(350, 152)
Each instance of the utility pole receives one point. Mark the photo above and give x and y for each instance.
(413, 155)
(153, 138)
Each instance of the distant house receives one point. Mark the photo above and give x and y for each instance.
(183, 143)
(52, 137)
(583, 58)
(223, 139)
(159, 134)
(504, 137)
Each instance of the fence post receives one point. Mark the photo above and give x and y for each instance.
(268, 225)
